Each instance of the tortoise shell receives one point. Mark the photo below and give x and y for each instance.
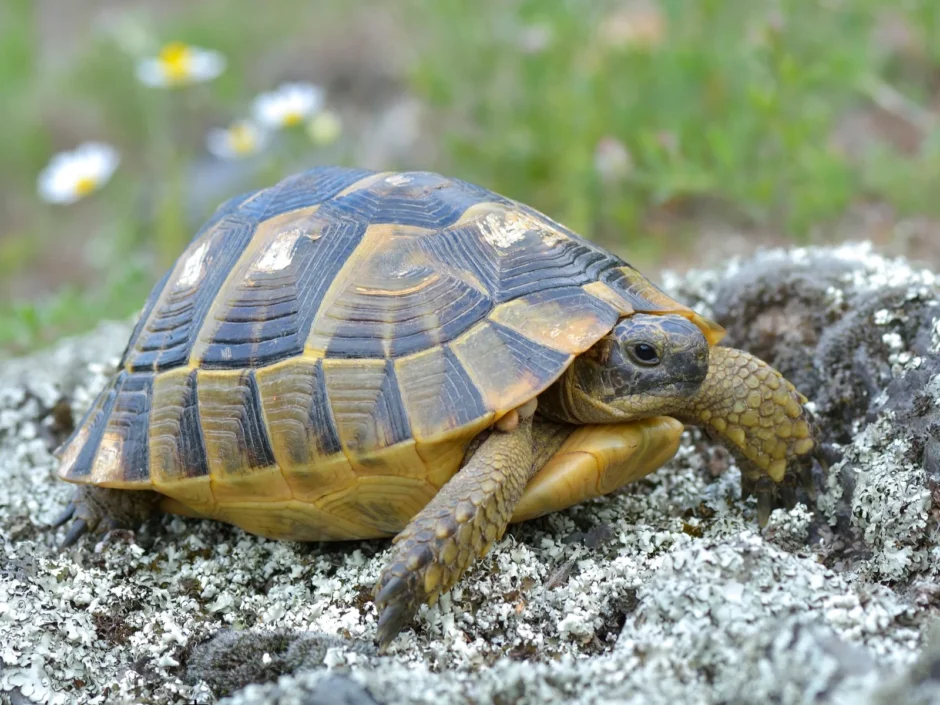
(320, 356)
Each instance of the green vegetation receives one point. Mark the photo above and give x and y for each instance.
(605, 114)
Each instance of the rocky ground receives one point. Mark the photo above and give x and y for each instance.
(664, 593)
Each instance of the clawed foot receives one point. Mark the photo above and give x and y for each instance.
(428, 558)
(100, 509)
(397, 599)
(767, 425)
(801, 474)
(457, 526)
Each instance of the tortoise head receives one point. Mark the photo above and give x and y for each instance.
(648, 364)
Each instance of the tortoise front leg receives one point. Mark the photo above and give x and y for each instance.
(463, 520)
(762, 419)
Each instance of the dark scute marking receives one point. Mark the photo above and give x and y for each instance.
(190, 443)
(226, 208)
(526, 266)
(407, 319)
(483, 195)
(260, 454)
(461, 392)
(426, 200)
(552, 224)
(457, 316)
(252, 206)
(321, 417)
(368, 407)
(312, 187)
(269, 319)
(392, 412)
(633, 289)
(130, 418)
(144, 316)
(577, 302)
(166, 340)
(86, 420)
(524, 270)
(542, 362)
(97, 420)
(457, 400)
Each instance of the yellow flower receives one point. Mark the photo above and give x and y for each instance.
(240, 139)
(179, 64)
(70, 176)
(325, 128)
(288, 105)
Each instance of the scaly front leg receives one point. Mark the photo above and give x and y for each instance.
(762, 419)
(460, 524)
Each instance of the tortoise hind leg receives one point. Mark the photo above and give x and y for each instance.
(94, 508)
(460, 523)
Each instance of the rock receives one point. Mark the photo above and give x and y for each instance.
(666, 592)
(232, 660)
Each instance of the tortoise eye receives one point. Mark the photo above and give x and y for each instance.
(645, 354)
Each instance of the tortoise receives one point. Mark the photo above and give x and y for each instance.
(352, 354)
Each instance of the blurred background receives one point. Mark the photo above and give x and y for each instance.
(675, 132)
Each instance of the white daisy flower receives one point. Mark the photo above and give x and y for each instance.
(70, 176)
(240, 139)
(288, 105)
(325, 128)
(179, 64)
(612, 160)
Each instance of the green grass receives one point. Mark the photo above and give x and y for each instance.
(736, 104)
(733, 109)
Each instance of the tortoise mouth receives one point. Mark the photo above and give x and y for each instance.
(678, 389)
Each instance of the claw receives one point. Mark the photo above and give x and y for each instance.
(764, 489)
(393, 619)
(397, 605)
(66, 514)
(808, 482)
(788, 495)
(78, 528)
(394, 587)
(747, 486)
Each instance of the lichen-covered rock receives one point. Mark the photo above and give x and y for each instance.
(664, 593)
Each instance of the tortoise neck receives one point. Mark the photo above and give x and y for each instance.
(565, 402)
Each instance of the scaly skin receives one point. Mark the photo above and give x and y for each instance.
(761, 418)
(460, 524)
(93, 508)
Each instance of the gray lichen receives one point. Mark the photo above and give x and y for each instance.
(666, 592)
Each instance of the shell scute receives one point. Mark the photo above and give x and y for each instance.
(439, 394)
(366, 405)
(263, 315)
(505, 366)
(167, 335)
(306, 189)
(412, 199)
(177, 448)
(110, 447)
